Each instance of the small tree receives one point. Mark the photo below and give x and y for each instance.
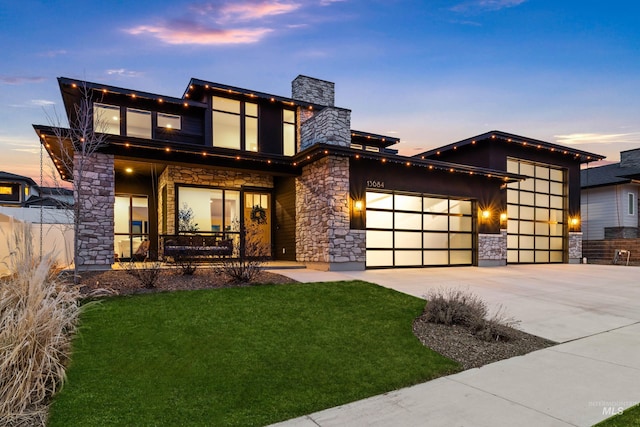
(186, 224)
(254, 251)
(186, 220)
(77, 144)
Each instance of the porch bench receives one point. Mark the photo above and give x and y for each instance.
(196, 247)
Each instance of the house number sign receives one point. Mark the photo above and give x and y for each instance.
(375, 184)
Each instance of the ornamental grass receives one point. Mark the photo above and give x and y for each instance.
(38, 315)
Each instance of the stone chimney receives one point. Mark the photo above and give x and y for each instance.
(630, 158)
(312, 90)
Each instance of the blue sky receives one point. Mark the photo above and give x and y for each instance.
(427, 72)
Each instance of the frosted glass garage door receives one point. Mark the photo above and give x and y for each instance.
(415, 230)
(536, 213)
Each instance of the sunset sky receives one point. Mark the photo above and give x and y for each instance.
(427, 72)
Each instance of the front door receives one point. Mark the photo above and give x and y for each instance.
(257, 222)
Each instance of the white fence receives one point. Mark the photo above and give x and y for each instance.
(56, 228)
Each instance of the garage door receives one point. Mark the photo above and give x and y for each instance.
(415, 230)
(536, 213)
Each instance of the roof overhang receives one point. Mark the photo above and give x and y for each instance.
(524, 142)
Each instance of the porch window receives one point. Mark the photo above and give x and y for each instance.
(213, 209)
(131, 224)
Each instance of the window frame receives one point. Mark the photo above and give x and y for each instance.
(631, 204)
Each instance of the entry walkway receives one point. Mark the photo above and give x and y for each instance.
(592, 310)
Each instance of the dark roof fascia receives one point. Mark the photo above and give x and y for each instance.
(584, 156)
(67, 83)
(317, 151)
(373, 139)
(12, 177)
(197, 87)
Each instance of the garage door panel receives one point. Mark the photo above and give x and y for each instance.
(379, 258)
(408, 239)
(408, 258)
(379, 219)
(436, 257)
(379, 239)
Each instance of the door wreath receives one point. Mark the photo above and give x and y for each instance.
(259, 214)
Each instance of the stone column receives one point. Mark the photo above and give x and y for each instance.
(492, 249)
(95, 198)
(575, 247)
(324, 240)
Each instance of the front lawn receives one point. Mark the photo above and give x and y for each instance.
(241, 356)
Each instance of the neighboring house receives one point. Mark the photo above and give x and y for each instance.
(22, 191)
(609, 206)
(327, 196)
(609, 198)
(45, 210)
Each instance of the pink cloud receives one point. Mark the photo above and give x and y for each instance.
(252, 11)
(198, 34)
(485, 5)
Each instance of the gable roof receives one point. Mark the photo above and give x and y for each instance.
(608, 175)
(504, 137)
(7, 176)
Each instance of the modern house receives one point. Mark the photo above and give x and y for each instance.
(330, 197)
(22, 191)
(609, 207)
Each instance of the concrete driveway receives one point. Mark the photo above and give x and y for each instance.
(593, 310)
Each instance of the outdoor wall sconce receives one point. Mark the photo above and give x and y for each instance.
(574, 223)
(486, 214)
(503, 217)
(358, 205)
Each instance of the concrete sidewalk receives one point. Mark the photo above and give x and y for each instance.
(594, 311)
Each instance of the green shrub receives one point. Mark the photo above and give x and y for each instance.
(38, 314)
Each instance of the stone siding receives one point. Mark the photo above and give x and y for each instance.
(316, 91)
(329, 126)
(324, 239)
(206, 177)
(575, 247)
(95, 196)
(492, 249)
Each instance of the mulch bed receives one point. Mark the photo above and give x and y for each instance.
(118, 282)
(458, 343)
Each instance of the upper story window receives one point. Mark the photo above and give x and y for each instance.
(251, 126)
(169, 121)
(106, 118)
(235, 124)
(138, 123)
(288, 132)
(632, 204)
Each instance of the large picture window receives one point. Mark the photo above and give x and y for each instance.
(235, 124)
(213, 209)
